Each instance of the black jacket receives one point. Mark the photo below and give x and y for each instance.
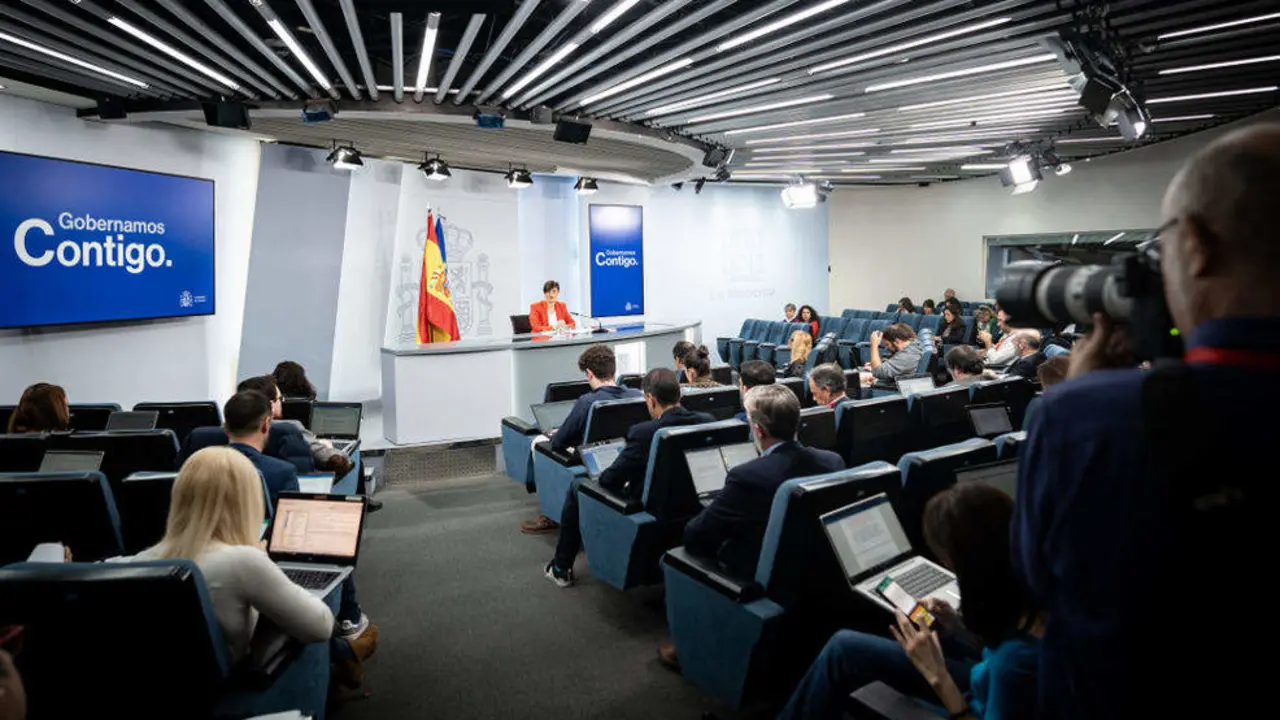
(1026, 366)
(953, 334)
(626, 475)
(574, 428)
(732, 527)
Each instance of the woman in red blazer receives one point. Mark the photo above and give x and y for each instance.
(549, 313)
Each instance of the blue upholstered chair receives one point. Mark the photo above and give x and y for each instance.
(722, 403)
(625, 538)
(88, 417)
(855, 331)
(1014, 392)
(849, 313)
(911, 320)
(77, 509)
(799, 386)
(183, 417)
(1008, 444)
(75, 663)
(723, 343)
(553, 472)
(930, 323)
(940, 417)
(766, 332)
(867, 314)
(818, 428)
(143, 503)
(928, 472)
(1053, 351)
(124, 452)
(875, 429)
(741, 639)
(517, 437)
(828, 325)
(891, 307)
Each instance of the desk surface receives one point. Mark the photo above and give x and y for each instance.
(538, 341)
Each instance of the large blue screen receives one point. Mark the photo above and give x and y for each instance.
(90, 243)
(617, 260)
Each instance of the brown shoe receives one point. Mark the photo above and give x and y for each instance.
(668, 656)
(541, 526)
(366, 644)
(339, 465)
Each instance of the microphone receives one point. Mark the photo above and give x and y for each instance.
(598, 329)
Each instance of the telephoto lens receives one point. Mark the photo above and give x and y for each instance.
(1042, 294)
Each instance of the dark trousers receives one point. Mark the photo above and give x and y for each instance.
(569, 543)
(349, 607)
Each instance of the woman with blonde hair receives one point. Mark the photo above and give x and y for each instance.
(801, 344)
(215, 518)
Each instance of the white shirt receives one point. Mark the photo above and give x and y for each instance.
(242, 581)
(553, 316)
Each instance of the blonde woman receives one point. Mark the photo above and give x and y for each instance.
(801, 345)
(214, 520)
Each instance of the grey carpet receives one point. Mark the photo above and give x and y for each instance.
(471, 629)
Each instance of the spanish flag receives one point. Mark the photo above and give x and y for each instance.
(437, 321)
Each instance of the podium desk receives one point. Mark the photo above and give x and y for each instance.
(457, 391)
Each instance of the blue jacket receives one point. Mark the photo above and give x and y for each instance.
(285, 442)
(732, 527)
(279, 475)
(626, 475)
(574, 428)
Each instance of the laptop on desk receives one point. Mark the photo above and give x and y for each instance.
(709, 467)
(315, 539)
(71, 461)
(550, 416)
(338, 423)
(869, 541)
(132, 420)
(1003, 475)
(599, 456)
(911, 386)
(990, 420)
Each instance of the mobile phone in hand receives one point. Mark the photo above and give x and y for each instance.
(900, 599)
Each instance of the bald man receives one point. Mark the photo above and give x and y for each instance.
(1140, 547)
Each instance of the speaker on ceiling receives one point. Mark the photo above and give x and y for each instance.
(111, 108)
(542, 115)
(716, 157)
(226, 115)
(570, 131)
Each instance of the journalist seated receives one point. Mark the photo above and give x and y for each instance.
(966, 366)
(901, 339)
(42, 408)
(1030, 358)
(247, 420)
(625, 476)
(323, 454)
(827, 385)
(751, 374)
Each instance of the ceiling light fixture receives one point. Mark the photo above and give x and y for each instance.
(904, 168)
(1206, 96)
(762, 108)
(173, 52)
(796, 148)
(1022, 173)
(435, 169)
(979, 134)
(612, 14)
(704, 99)
(993, 67)
(1113, 238)
(778, 25)
(346, 157)
(641, 79)
(801, 196)
(1219, 65)
(809, 156)
(1062, 169)
(993, 119)
(20, 42)
(541, 68)
(1056, 88)
(1090, 140)
(303, 57)
(945, 150)
(519, 178)
(795, 123)
(815, 136)
(428, 49)
(1183, 118)
(984, 166)
(586, 186)
(899, 47)
(1218, 26)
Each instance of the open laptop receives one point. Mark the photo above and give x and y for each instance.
(869, 541)
(990, 420)
(709, 467)
(550, 416)
(911, 386)
(338, 423)
(315, 539)
(1003, 475)
(598, 456)
(132, 420)
(71, 461)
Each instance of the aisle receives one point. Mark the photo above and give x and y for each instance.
(471, 629)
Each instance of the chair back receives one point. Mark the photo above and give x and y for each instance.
(1014, 392)
(849, 313)
(818, 428)
(855, 330)
(92, 416)
(940, 417)
(1053, 351)
(722, 403)
(930, 323)
(565, 391)
(631, 380)
(668, 488)
(722, 374)
(828, 325)
(796, 385)
(612, 419)
(891, 307)
(75, 662)
(866, 314)
(183, 417)
(124, 452)
(520, 325)
(297, 409)
(76, 509)
(6, 412)
(875, 429)
(143, 503)
(1008, 444)
(912, 320)
(22, 452)
(928, 472)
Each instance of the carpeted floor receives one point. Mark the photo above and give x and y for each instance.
(471, 629)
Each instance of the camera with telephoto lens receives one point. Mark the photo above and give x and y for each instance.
(1039, 294)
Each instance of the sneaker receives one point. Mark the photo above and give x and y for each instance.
(541, 526)
(348, 630)
(563, 578)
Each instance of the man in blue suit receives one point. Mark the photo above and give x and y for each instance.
(247, 420)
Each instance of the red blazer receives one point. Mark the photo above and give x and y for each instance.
(538, 316)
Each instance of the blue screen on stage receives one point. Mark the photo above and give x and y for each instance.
(91, 243)
(617, 260)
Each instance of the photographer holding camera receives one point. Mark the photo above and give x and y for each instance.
(1141, 494)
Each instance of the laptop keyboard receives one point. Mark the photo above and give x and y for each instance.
(922, 580)
(310, 579)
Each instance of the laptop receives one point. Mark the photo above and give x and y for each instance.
(869, 541)
(71, 461)
(338, 423)
(1003, 475)
(132, 420)
(990, 420)
(550, 416)
(912, 386)
(315, 539)
(599, 456)
(709, 467)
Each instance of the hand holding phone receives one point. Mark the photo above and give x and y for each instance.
(900, 599)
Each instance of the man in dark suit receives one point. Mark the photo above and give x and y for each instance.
(247, 420)
(751, 374)
(625, 476)
(1029, 356)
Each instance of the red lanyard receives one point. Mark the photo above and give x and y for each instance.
(1234, 358)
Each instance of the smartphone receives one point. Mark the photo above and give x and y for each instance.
(900, 599)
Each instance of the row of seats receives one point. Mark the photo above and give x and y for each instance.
(758, 340)
(180, 417)
(764, 340)
(124, 452)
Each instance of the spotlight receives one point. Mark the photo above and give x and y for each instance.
(318, 111)
(697, 185)
(722, 174)
(1050, 159)
(1096, 74)
(346, 157)
(1022, 173)
(519, 178)
(436, 169)
(801, 196)
(1062, 169)
(678, 186)
(1133, 121)
(586, 186)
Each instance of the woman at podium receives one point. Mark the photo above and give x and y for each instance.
(549, 313)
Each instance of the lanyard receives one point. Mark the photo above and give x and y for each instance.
(1234, 358)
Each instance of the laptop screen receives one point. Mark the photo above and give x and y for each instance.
(133, 420)
(306, 526)
(991, 421)
(1003, 475)
(912, 386)
(598, 458)
(706, 467)
(550, 416)
(738, 453)
(70, 461)
(335, 421)
(866, 534)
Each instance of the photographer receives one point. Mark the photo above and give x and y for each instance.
(1133, 526)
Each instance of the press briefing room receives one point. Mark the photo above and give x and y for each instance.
(651, 359)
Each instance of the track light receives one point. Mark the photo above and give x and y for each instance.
(1133, 122)
(435, 169)
(1062, 169)
(697, 185)
(1022, 173)
(21, 42)
(586, 186)
(346, 157)
(299, 53)
(519, 178)
(428, 49)
(801, 196)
